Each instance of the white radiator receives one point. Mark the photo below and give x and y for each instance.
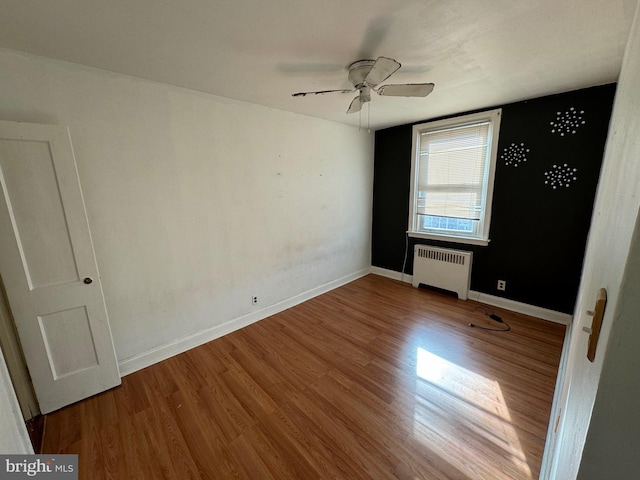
(442, 268)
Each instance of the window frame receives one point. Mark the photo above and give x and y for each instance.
(482, 236)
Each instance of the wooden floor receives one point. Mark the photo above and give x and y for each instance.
(374, 380)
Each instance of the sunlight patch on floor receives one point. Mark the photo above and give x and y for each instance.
(460, 415)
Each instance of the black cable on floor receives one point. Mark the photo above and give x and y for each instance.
(489, 313)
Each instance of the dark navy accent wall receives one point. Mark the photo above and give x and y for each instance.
(549, 156)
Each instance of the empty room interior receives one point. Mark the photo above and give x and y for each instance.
(321, 240)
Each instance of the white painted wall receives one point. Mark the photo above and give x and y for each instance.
(612, 382)
(198, 202)
(13, 433)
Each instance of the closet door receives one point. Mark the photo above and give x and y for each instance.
(48, 267)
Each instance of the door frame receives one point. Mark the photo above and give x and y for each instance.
(14, 358)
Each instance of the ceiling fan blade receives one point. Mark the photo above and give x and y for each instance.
(321, 92)
(407, 90)
(381, 70)
(355, 106)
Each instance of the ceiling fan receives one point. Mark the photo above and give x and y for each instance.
(366, 75)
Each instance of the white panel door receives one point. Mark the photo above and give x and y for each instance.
(48, 267)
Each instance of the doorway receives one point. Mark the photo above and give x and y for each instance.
(19, 374)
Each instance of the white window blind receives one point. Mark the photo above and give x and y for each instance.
(452, 177)
(452, 170)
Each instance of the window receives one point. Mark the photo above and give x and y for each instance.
(452, 178)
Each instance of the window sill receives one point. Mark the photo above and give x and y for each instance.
(449, 238)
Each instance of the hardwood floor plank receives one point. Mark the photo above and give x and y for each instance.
(373, 380)
(244, 453)
(132, 393)
(255, 401)
(204, 439)
(64, 428)
(152, 432)
(134, 454)
(229, 414)
(113, 452)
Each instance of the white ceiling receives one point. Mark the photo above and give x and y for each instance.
(478, 53)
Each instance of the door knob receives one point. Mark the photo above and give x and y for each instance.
(88, 280)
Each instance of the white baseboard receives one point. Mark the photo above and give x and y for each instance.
(155, 355)
(507, 304)
(383, 272)
(519, 307)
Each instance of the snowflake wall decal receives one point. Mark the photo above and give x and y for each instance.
(560, 176)
(515, 154)
(567, 122)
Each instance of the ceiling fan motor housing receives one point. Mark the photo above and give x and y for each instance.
(358, 71)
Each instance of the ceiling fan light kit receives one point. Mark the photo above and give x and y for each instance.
(366, 75)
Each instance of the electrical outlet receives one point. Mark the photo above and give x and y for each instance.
(502, 285)
(254, 300)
